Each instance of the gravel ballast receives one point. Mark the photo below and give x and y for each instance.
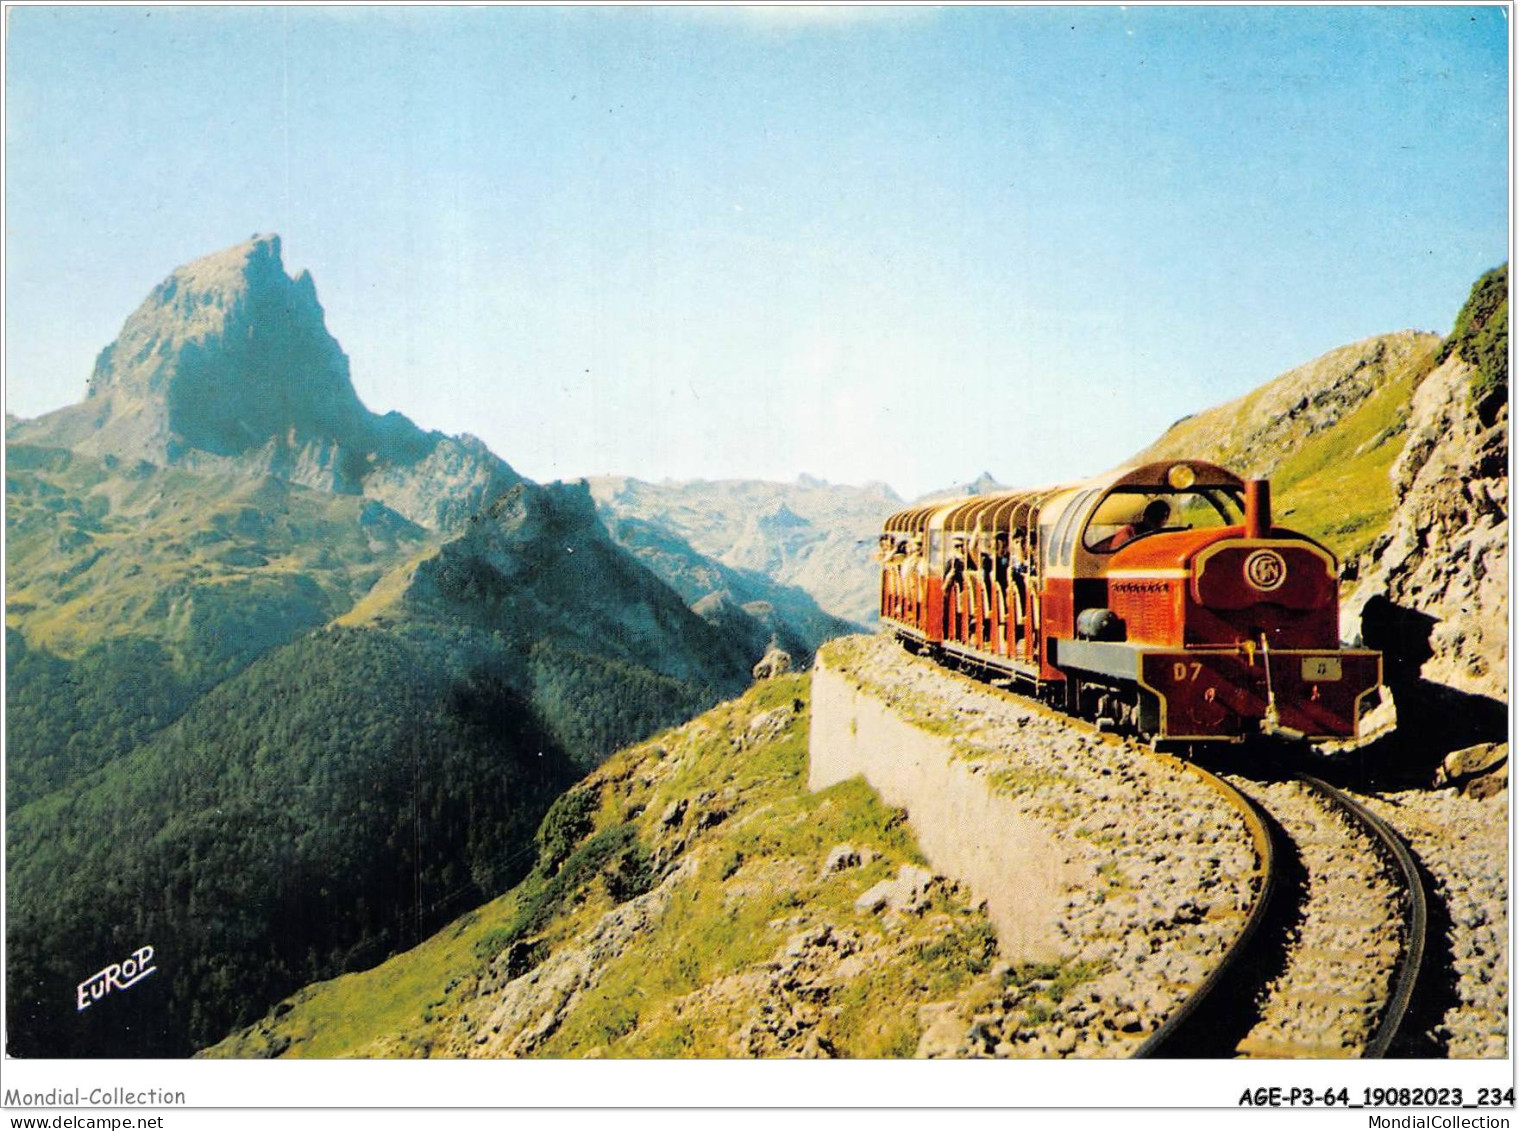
(1463, 842)
(1165, 867)
(1343, 953)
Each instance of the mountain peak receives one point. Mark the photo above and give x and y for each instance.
(255, 260)
(236, 308)
(228, 362)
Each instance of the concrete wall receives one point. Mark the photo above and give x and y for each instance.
(967, 831)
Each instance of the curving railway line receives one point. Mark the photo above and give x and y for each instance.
(1276, 918)
(1326, 963)
(1327, 958)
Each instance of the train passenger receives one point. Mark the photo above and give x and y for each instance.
(954, 562)
(915, 565)
(1156, 514)
(986, 559)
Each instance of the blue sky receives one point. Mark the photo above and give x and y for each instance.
(899, 244)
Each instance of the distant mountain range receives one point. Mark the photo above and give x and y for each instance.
(809, 534)
(983, 484)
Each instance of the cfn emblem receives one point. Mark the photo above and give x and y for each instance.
(1265, 570)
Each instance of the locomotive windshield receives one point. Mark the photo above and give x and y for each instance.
(1127, 514)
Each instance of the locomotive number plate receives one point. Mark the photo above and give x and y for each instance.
(1321, 669)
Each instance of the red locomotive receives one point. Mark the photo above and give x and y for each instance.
(1160, 600)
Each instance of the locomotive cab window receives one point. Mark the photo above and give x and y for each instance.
(1128, 514)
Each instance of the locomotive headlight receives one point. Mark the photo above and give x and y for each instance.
(1181, 477)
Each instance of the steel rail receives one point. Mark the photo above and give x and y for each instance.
(1265, 871)
(1416, 923)
(1417, 920)
(1265, 855)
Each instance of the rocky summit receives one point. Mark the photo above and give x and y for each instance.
(228, 365)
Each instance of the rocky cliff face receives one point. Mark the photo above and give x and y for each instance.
(228, 364)
(1445, 554)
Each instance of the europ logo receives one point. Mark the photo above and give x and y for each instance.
(121, 975)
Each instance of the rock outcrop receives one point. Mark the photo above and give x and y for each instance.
(775, 662)
(1445, 554)
(228, 365)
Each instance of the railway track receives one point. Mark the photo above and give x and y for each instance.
(1326, 961)
(1314, 927)
(1327, 964)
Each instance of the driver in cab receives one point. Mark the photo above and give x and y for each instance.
(1155, 516)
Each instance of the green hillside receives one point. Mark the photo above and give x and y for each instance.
(314, 812)
(1480, 338)
(606, 652)
(1326, 434)
(133, 591)
(1336, 485)
(217, 567)
(670, 887)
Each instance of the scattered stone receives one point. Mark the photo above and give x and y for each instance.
(943, 1030)
(1462, 766)
(876, 897)
(909, 892)
(843, 856)
(673, 815)
(774, 663)
(708, 818)
(767, 725)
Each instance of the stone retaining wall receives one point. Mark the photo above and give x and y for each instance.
(967, 831)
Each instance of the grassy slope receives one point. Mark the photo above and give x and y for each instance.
(133, 590)
(1336, 487)
(1327, 435)
(685, 987)
(94, 552)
